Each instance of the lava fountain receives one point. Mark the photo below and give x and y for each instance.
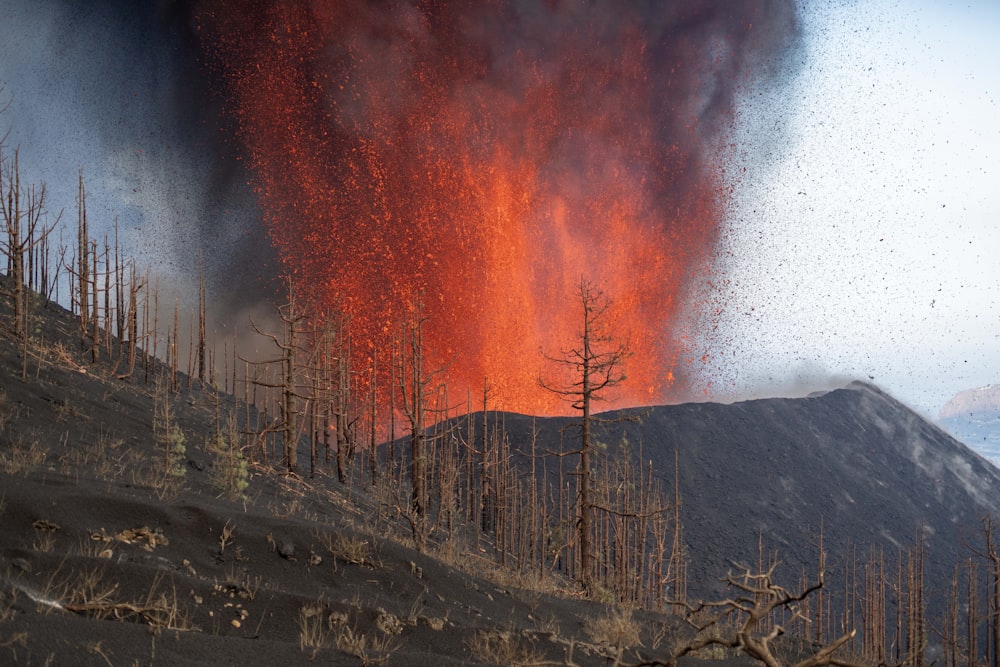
(485, 156)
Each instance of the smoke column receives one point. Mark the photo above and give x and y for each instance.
(486, 156)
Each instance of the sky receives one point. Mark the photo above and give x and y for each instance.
(865, 244)
(860, 240)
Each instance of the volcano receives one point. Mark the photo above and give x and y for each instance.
(854, 463)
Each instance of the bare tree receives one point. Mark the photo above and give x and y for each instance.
(288, 347)
(990, 552)
(23, 210)
(413, 386)
(747, 621)
(594, 365)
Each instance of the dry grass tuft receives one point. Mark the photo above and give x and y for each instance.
(89, 593)
(313, 629)
(94, 648)
(8, 598)
(17, 639)
(44, 542)
(503, 647)
(353, 550)
(617, 628)
(239, 583)
(24, 455)
(226, 536)
(319, 629)
(105, 456)
(370, 650)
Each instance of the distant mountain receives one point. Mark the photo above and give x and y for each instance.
(973, 416)
(855, 461)
(971, 401)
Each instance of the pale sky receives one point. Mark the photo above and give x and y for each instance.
(865, 245)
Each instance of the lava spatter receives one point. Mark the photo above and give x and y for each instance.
(486, 156)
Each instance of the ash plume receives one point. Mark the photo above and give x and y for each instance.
(485, 155)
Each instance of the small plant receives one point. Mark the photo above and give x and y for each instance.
(44, 542)
(94, 648)
(230, 474)
(502, 647)
(23, 456)
(616, 628)
(239, 583)
(549, 624)
(170, 439)
(109, 468)
(313, 631)
(287, 508)
(370, 650)
(65, 411)
(353, 550)
(226, 536)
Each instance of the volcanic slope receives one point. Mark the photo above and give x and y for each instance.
(100, 564)
(854, 461)
(107, 556)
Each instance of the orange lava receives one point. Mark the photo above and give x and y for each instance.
(485, 157)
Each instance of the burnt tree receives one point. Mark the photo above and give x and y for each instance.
(594, 365)
(22, 210)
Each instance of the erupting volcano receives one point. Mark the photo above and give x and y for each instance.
(486, 156)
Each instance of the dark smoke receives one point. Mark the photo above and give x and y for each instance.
(118, 89)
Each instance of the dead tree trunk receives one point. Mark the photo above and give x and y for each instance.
(593, 366)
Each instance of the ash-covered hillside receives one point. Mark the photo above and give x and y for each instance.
(126, 548)
(854, 461)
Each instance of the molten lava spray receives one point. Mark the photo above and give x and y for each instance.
(486, 156)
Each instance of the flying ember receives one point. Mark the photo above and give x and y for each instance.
(483, 157)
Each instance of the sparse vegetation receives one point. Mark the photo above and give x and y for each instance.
(230, 470)
(23, 456)
(616, 628)
(350, 549)
(504, 647)
(504, 512)
(314, 627)
(170, 440)
(370, 649)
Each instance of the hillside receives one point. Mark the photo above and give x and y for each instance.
(104, 560)
(117, 550)
(854, 461)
